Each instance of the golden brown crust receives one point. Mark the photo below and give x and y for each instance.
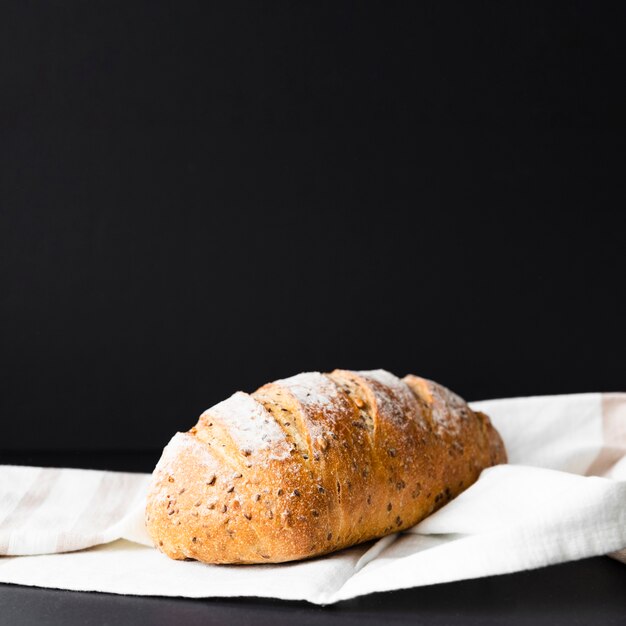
(315, 463)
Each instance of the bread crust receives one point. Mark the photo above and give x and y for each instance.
(315, 463)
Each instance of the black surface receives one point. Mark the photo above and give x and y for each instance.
(200, 197)
(585, 592)
(591, 591)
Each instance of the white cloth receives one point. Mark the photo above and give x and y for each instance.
(542, 508)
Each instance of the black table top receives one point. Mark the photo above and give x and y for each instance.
(590, 591)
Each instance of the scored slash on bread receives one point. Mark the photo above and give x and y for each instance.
(314, 463)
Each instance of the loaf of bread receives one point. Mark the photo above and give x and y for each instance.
(314, 463)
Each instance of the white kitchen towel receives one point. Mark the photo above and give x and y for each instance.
(561, 498)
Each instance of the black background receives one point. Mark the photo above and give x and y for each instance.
(200, 197)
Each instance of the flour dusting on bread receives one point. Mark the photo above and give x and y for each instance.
(311, 388)
(251, 426)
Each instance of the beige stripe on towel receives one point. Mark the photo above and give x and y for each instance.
(109, 503)
(34, 497)
(614, 434)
